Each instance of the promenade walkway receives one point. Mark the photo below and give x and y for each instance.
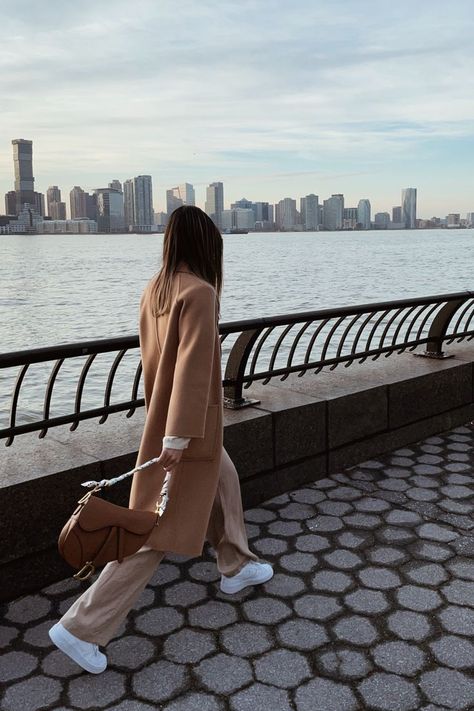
(371, 607)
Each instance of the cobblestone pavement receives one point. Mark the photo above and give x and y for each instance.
(371, 607)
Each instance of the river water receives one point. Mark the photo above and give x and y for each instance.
(66, 288)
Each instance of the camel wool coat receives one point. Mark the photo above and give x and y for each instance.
(181, 359)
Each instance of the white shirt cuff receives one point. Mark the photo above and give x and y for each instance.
(173, 442)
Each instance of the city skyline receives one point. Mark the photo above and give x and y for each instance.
(359, 98)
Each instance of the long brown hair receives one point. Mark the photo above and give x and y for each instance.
(192, 237)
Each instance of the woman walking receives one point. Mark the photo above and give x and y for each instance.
(181, 359)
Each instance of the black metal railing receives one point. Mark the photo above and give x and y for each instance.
(257, 350)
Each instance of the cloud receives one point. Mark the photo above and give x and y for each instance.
(220, 88)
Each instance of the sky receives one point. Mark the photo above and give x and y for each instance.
(275, 99)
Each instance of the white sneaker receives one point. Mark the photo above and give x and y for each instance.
(86, 654)
(253, 573)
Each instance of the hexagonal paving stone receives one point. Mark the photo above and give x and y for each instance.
(185, 594)
(401, 517)
(284, 585)
(462, 568)
(204, 571)
(260, 697)
(299, 562)
(344, 493)
(409, 625)
(160, 620)
(372, 602)
(344, 663)
(325, 523)
(312, 543)
(378, 577)
(386, 555)
(188, 646)
(130, 652)
(14, 665)
(348, 539)
(394, 534)
(270, 546)
(297, 511)
(246, 640)
(212, 615)
(418, 494)
(37, 635)
(60, 665)
(312, 496)
(452, 651)
(435, 532)
(285, 528)
(371, 505)
(459, 591)
(417, 598)
(224, 674)
(301, 634)
(389, 692)
(44, 691)
(84, 691)
(7, 634)
(325, 695)
(195, 700)
(334, 508)
(355, 629)
(448, 687)
(459, 620)
(426, 573)
(28, 608)
(260, 515)
(159, 681)
(331, 580)
(344, 559)
(266, 610)
(165, 573)
(432, 551)
(361, 520)
(317, 607)
(282, 668)
(399, 657)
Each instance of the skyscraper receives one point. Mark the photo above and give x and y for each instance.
(409, 208)
(23, 165)
(116, 185)
(10, 203)
(143, 203)
(77, 203)
(309, 209)
(110, 216)
(397, 214)
(285, 214)
(56, 208)
(363, 214)
(333, 214)
(128, 203)
(215, 202)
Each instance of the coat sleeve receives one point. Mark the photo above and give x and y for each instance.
(193, 370)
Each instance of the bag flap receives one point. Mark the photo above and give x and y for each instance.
(98, 513)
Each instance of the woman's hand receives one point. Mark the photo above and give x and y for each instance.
(169, 458)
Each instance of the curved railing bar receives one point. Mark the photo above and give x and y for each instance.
(344, 336)
(49, 394)
(14, 403)
(110, 382)
(329, 336)
(136, 385)
(358, 335)
(258, 348)
(80, 388)
(294, 346)
(276, 348)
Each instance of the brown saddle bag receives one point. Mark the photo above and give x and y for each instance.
(99, 532)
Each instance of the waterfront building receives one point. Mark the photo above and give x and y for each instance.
(116, 185)
(10, 203)
(110, 214)
(409, 208)
(173, 201)
(350, 218)
(23, 167)
(182, 194)
(77, 203)
(56, 208)
(143, 203)
(243, 203)
(39, 203)
(381, 220)
(453, 219)
(309, 211)
(215, 203)
(397, 214)
(286, 215)
(263, 211)
(239, 218)
(128, 203)
(79, 226)
(334, 212)
(363, 214)
(470, 219)
(161, 219)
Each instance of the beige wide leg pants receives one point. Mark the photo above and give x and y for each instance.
(96, 615)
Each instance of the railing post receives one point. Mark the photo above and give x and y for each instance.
(438, 329)
(235, 370)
